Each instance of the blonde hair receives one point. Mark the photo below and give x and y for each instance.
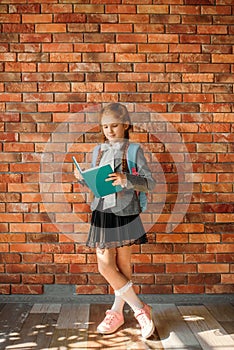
(120, 112)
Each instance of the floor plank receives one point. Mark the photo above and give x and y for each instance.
(208, 331)
(172, 329)
(46, 309)
(72, 327)
(36, 332)
(69, 339)
(222, 312)
(73, 316)
(12, 317)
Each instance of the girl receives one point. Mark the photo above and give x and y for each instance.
(115, 222)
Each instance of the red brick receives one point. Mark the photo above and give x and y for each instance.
(102, 18)
(114, 8)
(20, 67)
(179, 67)
(227, 279)
(10, 258)
(116, 28)
(167, 258)
(18, 28)
(5, 289)
(133, 18)
(211, 29)
(37, 279)
(151, 9)
(200, 258)
(225, 258)
(9, 18)
(34, 258)
(52, 268)
(34, 38)
(194, 38)
(98, 57)
(25, 227)
(181, 268)
(131, 38)
(5, 217)
(224, 217)
(144, 67)
(69, 18)
(87, 268)
(50, 28)
(220, 58)
(10, 278)
(213, 268)
(189, 289)
(118, 87)
(4, 247)
(219, 289)
(21, 268)
(156, 289)
(69, 258)
(197, 19)
(71, 279)
(11, 237)
(139, 98)
(176, 238)
(195, 57)
(90, 289)
(23, 8)
(26, 289)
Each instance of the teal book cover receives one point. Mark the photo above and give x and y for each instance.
(95, 179)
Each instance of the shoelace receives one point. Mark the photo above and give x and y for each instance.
(109, 319)
(142, 317)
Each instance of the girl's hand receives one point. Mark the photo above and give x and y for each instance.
(77, 174)
(118, 179)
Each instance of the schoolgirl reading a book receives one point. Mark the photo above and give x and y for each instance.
(116, 224)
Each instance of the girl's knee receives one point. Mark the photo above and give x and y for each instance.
(105, 264)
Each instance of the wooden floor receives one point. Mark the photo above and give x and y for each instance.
(73, 326)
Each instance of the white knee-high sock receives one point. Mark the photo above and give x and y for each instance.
(118, 304)
(128, 294)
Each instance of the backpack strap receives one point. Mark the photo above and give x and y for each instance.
(131, 157)
(95, 155)
(132, 166)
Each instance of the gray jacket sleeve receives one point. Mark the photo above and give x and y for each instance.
(143, 182)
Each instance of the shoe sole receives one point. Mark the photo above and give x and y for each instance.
(111, 331)
(152, 325)
(150, 333)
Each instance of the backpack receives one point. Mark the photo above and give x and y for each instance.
(132, 166)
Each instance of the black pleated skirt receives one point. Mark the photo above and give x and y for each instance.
(108, 230)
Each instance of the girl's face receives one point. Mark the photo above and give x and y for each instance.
(113, 129)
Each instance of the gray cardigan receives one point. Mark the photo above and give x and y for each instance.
(127, 202)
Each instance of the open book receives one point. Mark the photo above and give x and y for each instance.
(95, 179)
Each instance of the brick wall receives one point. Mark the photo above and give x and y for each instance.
(169, 59)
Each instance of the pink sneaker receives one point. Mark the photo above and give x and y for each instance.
(144, 317)
(111, 322)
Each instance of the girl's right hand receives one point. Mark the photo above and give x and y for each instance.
(78, 175)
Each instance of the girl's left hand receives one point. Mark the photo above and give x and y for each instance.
(118, 179)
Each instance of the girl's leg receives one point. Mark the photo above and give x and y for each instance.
(107, 265)
(108, 268)
(123, 262)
